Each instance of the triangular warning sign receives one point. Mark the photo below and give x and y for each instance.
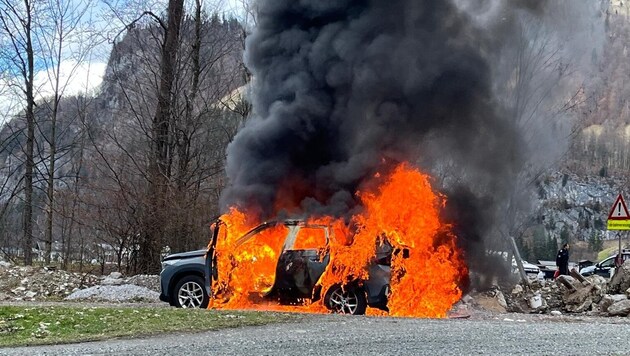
(619, 210)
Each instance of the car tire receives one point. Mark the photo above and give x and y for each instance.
(190, 292)
(345, 300)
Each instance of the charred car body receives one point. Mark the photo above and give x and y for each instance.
(299, 269)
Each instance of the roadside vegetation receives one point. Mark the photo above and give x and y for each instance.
(23, 326)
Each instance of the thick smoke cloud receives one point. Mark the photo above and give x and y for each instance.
(343, 87)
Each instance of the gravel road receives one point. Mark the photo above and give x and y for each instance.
(321, 335)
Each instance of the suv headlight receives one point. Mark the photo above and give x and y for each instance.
(168, 263)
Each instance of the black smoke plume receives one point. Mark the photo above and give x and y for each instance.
(343, 87)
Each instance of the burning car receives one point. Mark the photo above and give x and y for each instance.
(301, 261)
(393, 253)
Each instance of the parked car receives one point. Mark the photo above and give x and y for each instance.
(548, 268)
(605, 267)
(182, 280)
(298, 269)
(531, 270)
(584, 263)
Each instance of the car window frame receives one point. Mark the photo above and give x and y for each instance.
(608, 260)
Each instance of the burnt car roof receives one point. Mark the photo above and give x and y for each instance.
(267, 224)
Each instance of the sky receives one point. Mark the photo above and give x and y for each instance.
(85, 75)
(78, 78)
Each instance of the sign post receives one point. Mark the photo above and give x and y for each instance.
(619, 220)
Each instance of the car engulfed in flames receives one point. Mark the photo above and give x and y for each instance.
(303, 258)
(395, 256)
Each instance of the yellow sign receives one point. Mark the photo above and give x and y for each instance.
(618, 224)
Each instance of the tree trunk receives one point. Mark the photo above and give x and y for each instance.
(50, 193)
(30, 139)
(159, 171)
(183, 196)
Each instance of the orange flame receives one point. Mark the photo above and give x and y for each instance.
(406, 210)
(401, 209)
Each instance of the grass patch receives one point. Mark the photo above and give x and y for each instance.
(606, 253)
(22, 326)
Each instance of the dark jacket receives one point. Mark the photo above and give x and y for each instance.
(562, 261)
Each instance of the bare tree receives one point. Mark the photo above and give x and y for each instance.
(10, 188)
(16, 19)
(206, 73)
(159, 167)
(62, 40)
(69, 202)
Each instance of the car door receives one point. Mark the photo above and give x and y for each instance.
(210, 268)
(603, 268)
(303, 259)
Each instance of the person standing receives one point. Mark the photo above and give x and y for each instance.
(562, 260)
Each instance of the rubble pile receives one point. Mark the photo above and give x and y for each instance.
(583, 297)
(115, 288)
(574, 294)
(149, 281)
(29, 283)
(620, 281)
(116, 293)
(36, 283)
(491, 300)
(538, 297)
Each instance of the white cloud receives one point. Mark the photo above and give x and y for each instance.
(9, 100)
(74, 78)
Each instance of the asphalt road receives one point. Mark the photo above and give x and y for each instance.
(333, 335)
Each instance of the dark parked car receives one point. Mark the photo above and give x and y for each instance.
(182, 280)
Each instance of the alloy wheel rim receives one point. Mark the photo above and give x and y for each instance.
(190, 295)
(343, 302)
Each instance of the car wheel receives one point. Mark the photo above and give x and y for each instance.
(190, 293)
(350, 300)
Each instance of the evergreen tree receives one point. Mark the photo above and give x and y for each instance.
(539, 243)
(564, 235)
(544, 246)
(595, 242)
(552, 248)
(524, 249)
